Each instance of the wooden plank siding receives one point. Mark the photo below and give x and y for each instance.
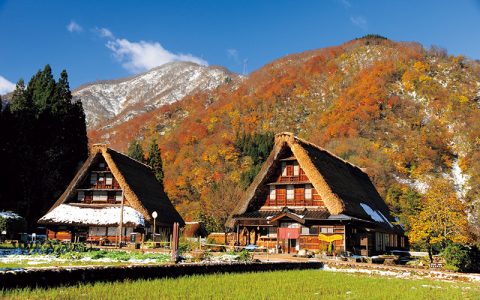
(298, 200)
(299, 180)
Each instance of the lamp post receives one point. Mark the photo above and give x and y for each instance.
(154, 215)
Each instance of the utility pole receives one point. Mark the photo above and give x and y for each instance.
(175, 235)
(121, 222)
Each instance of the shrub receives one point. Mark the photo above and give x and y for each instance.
(12, 224)
(245, 256)
(461, 258)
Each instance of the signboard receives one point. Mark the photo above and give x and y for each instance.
(330, 238)
(436, 265)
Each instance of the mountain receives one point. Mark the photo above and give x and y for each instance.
(107, 103)
(406, 114)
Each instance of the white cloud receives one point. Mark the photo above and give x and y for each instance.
(6, 86)
(104, 32)
(359, 21)
(74, 27)
(141, 56)
(233, 54)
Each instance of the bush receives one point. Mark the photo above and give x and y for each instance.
(245, 256)
(12, 224)
(462, 258)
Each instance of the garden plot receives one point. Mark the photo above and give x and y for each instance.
(19, 258)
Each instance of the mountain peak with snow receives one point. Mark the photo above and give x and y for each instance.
(110, 102)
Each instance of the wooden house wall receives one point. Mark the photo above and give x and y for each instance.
(100, 186)
(290, 174)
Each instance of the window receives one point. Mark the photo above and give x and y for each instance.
(314, 230)
(118, 197)
(97, 231)
(93, 178)
(326, 229)
(296, 169)
(273, 193)
(112, 231)
(81, 196)
(100, 196)
(290, 192)
(305, 230)
(284, 168)
(289, 169)
(308, 192)
(402, 242)
(101, 165)
(109, 179)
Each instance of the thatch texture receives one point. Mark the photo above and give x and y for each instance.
(342, 186)
(141, 189)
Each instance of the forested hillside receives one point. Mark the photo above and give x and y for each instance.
(43, 141)
(406, 114)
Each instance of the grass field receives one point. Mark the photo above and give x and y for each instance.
(308, 284)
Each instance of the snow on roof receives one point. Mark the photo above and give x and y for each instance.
(375, 215)
(75, 215)
(9, 215)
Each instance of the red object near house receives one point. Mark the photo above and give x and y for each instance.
(288, 233)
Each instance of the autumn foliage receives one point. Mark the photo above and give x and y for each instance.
(406, 114)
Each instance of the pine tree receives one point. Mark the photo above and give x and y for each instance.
(155, 160)
(135, 151)
(62, 95)
(41, 89)
(19, 100)
(46, 142)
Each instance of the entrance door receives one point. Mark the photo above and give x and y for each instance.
(292, 246)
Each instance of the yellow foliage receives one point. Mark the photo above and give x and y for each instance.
(442, 217)
(462, 99)
(425, 78)
(420, 66)
(211, 124)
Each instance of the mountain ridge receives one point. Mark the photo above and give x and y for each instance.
(405, 113)
(124, 98)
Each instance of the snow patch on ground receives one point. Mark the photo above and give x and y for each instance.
(69, 214)
(407, 274)
(417, 184)
(459, 179)
(39, 259)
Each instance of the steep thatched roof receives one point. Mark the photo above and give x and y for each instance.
(344, 188)
(137, 180)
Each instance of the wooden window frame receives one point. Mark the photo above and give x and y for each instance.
(290, 188)
(309, 195)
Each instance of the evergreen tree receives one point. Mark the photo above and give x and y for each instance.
(19, 101)
(257, 147)
(62, 93)
(135, 151)
(41, 89)
(46, 142)
(155, 160)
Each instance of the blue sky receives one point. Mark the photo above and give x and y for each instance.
(111, 39)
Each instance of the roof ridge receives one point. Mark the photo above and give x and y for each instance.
(319, 148)
(118, 152)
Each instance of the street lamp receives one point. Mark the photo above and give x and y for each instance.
(154, 215)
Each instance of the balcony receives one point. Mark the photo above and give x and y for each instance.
(300, 179)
